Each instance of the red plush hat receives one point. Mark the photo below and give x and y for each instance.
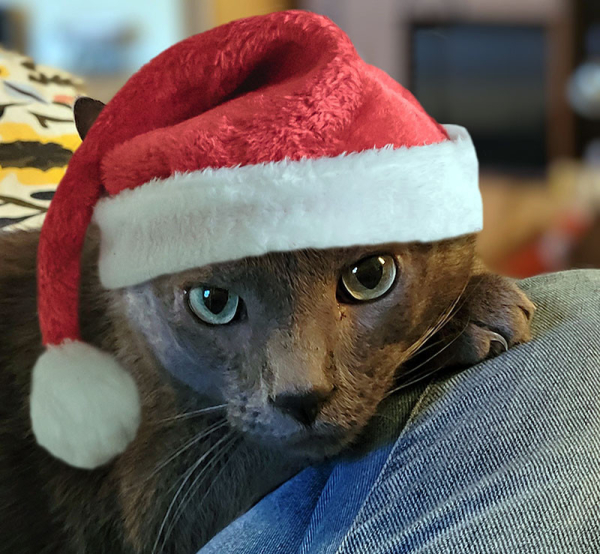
(266, 134)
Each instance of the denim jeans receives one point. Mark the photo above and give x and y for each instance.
(501, 458)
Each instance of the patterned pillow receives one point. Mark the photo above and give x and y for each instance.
(37, 137)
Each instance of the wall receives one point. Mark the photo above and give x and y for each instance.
(155, 25)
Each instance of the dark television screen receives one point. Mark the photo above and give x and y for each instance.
(490, 79)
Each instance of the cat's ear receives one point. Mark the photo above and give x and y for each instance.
(86, 110)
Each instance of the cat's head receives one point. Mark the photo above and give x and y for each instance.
(298, 347)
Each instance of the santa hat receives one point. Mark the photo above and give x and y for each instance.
(266, 134)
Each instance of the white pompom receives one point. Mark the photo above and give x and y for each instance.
(85, 408)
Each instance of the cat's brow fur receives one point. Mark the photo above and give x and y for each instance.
(296, 334)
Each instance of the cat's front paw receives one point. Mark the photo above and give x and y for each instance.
(492, 315)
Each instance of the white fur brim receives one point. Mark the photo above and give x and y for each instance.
(424, 193)
(85, 407)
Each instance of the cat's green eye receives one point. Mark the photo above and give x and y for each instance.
(213, 305)
(369, 278)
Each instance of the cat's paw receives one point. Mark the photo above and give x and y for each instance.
(492, 315)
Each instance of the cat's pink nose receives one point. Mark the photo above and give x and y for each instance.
(304, 406)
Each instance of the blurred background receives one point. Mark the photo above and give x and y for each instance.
(522, 75)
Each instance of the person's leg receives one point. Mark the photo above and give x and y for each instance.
(504, 457)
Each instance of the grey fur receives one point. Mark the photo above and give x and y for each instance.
(186, 476)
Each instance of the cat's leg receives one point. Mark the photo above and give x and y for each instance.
(492, 315)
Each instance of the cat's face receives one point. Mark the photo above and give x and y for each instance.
(299, 347)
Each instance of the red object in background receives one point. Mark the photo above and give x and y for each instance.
(525, 263)
(550, 251)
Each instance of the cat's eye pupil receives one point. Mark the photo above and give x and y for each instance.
(214, 305)
(367, 279)
(215, 299)
(369, 272)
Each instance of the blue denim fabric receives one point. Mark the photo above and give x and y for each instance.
(502, 458)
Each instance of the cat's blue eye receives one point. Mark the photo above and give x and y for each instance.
(213, 305)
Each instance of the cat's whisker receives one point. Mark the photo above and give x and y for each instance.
(203, 473)
(198, 480)
(427, 374)
(185, 479)
(429, 346)
(415, 381)
(227, 450)
(187, 415)
(454, 308)
(436, 354)
(439, 324)
(442, 321)
(194, 440)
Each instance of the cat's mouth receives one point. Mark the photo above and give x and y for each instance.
(312, 443)
(320, 439)
(319, 445)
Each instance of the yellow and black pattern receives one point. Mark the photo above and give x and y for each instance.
(37, 137)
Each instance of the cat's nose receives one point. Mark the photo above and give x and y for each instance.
(304, 406)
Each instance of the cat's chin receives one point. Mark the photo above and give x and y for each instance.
(314, 443)
(312, 447)
(316, 449)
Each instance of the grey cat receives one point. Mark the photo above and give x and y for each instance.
(248, 371)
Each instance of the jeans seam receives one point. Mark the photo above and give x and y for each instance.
(416, 408)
